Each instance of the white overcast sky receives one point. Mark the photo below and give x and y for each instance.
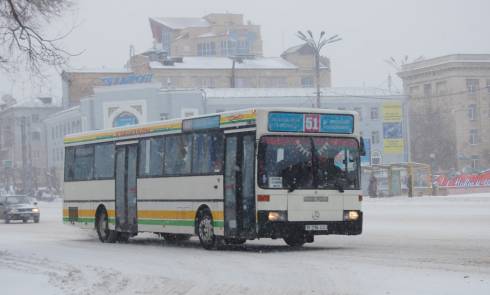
(372, 31)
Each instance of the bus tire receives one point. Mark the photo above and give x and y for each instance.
(205, 230)
(295, 240)
(7, 220)
(102, 226)
(36, 219)
(176, 237)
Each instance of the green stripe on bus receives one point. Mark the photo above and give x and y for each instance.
(218, 223)
(80, 220)
(188, 222)
(86, 220)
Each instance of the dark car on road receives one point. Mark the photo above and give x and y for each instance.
(18, 207)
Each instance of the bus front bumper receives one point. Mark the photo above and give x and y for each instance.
(280, 229)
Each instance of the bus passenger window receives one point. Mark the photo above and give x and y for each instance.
(84, 159)
(104, 161)
(69, 163)
(151, 156)
(207, 154)
(180, 149)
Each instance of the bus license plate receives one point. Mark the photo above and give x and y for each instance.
(314, 227)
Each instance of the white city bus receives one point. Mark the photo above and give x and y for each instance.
(268, 172)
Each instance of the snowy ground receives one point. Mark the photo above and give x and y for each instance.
(424, 245)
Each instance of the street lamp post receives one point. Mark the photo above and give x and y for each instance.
(317, 46)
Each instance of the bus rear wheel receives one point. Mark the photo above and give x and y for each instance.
(102, 226)
(205, 230)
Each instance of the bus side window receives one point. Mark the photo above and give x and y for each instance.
(84, 163)
(69, 163)
(151, 157)
(180, 149)
(217, 152)
(104, 161)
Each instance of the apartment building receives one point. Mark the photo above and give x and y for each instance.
(450, 111)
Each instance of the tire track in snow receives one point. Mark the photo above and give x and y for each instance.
(88, 280)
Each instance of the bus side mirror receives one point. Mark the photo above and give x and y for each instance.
(362, 150)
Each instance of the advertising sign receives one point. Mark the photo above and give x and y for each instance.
(465, 180)
(393, 146)
(392, 112)
(392, 130)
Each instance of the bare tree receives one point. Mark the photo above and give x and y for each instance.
(22, 39)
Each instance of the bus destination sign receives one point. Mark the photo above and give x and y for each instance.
(311, 123)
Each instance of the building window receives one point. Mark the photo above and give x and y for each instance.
(472, 85)
(488, 85)
(374, 113)
(243, 83)
(36, 135)
(359, 111)
(206, 49)
(376, 158)
(206, 82)
(473, 136)
(475, 165)
(472, 115)
(427, 90)
(441, 88)
(35, 118)
(307, 82)
(228, 47)
(274, 82)
(166, 41)
(414, 90)
(125, 119)
(243, 47)
(375, 137)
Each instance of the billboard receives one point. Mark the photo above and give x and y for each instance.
(392, 128)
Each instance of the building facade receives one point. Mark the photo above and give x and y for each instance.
(216, 34)
(215, 51)
(56, 126)
(23, 144)
(449, 111)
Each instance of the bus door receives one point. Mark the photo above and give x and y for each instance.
(126, 190)
(239, 184)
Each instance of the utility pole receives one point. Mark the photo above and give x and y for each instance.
(316, 46)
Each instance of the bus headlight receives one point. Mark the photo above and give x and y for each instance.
(277, 216)
(35, 210)
(351, 215)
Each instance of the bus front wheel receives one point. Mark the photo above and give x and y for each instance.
(295, 240)
(205, 230)
(102, 226)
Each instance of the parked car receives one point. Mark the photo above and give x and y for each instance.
(18, 207)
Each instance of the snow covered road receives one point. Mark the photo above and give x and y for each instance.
(424, 245)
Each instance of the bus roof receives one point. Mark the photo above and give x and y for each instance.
(230, 119)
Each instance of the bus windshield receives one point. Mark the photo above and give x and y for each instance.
(300, 162)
